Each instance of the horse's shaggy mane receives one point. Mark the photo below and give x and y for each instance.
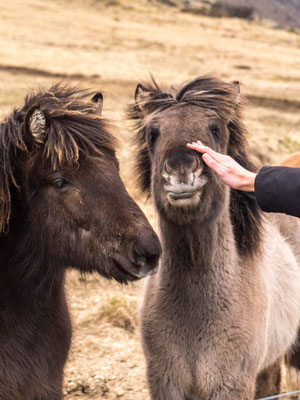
(214, 94)
(73, 128)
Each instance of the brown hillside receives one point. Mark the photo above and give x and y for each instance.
(286, 13)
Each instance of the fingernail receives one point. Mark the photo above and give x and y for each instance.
(198, 141)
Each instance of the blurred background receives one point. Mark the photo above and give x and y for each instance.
(110, 46)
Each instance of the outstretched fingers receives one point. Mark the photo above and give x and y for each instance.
(213, 159)
(205, 149)
(214, 164)
(232, 173)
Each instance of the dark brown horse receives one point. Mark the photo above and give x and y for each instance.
(225, 304)
(62, 204)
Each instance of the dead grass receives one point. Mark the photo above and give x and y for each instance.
(106, 361)
(119, 312)
(110, 47)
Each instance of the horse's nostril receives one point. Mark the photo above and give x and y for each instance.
(147, 250)
(167, 168)
(182, 164)
(196, 164)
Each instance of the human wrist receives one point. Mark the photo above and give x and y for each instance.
(248, 184)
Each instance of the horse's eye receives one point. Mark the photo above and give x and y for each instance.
(60, 183)
(153, 135)
(215, 130)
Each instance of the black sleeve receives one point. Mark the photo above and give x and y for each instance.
(277, 189)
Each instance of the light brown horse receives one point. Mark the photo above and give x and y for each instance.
(293, 160)
(225, 303)
(269, 382)
(292, 359)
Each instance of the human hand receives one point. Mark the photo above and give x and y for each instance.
(231, 173)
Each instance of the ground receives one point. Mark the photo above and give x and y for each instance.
(111, 46)
(106, 360)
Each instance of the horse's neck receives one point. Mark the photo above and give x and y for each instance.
(199, 249)
(26, 272)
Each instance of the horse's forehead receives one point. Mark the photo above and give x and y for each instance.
(185, 115)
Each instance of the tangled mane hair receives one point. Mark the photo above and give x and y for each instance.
(73, 128)
(224, 98)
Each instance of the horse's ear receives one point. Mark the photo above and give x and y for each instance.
(98, 100)
(35, 125)
(237, 91)
(141, 96)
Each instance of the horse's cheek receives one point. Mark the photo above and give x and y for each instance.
(73, 206)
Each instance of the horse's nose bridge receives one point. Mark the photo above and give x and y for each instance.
(183, 167)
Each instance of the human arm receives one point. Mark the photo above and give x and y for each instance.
(277, 189)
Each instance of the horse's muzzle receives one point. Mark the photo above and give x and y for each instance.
(142, 256)
(183, 180)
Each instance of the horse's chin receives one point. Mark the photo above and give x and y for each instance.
(124, 272)
(184, 203)
(124, 278)
(117, 273)
(127, 270)
(181, 212)
(108, 268)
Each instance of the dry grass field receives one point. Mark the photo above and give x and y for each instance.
(110, 46)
